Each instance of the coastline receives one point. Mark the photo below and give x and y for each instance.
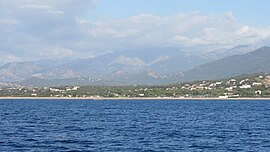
(122, 98)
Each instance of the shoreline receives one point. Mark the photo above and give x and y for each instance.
(122, 98)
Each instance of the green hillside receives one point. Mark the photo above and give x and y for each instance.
(253, 62)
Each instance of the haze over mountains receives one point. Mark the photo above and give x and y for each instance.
(133, 67)
(257, 61)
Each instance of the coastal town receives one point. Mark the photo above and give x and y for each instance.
(257, 86)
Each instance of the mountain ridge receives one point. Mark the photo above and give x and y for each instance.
(252, 62)
(167, 65)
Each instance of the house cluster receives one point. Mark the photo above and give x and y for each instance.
(228, 85)
(59, 92)
(74, 88)
(231, 88)
(36, 91)
(200, 86)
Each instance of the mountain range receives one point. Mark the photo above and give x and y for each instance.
(257, 61)
(135, 67)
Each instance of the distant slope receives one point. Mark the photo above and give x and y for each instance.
(127, 64)
(253, 62)
(151, 66)
(82, 81)
(108, 67)
(18, 71)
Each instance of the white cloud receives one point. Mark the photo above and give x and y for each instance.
(188, 30)
(36, 28)
(57, 53)
(9, 21)
(39, 7)
(47, 28)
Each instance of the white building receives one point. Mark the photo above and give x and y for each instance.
(141, 95)
(223, 97)
(256, 83)
(259, 92)
(229, 89)
(245, 86)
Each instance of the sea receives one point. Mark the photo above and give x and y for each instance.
(134, 125)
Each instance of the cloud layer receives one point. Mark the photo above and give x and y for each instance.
(185, 30)
(35, 29)
(31, 29)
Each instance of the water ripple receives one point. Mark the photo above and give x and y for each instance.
(150, 126)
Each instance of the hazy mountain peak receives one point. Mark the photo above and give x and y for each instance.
(129, 61)
(252, 62)
(140, 67)
(160, 59)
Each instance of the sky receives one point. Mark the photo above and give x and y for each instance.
(242, 9)
(41, 29)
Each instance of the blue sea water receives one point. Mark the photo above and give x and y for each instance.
(134, 125)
